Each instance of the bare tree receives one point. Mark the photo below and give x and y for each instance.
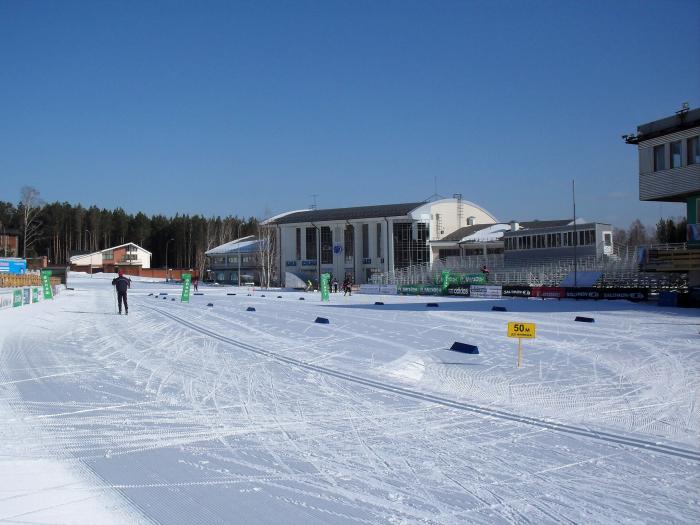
(267, 247)
(31, 205)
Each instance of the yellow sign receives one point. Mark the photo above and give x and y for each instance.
(521, 330)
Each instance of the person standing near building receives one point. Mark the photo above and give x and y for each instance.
(195, 283)
(122, 284)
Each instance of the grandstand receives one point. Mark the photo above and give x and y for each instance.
(620, 269)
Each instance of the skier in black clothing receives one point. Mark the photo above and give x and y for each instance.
(123, 284)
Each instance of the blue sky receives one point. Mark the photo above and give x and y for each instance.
(247, 107)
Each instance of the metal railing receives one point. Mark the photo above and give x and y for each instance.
(619, 269)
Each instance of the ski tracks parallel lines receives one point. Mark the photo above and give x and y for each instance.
(619, 439)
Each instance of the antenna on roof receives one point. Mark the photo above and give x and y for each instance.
(313, 206)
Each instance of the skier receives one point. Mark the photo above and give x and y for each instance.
(309, 286)
(122, 284)
(195, 283)
(485, 272)
(334, 284)
(347, 286)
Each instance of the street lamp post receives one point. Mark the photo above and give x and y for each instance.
(166, 258)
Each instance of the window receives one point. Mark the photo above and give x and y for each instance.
(659, 157)
(379, 239)
(108, 254)
(298, 239)
(326, 245)
(676, 154)
(311, 244)
(607, 239)
(365, 241)
(693, 150)
(232, 260)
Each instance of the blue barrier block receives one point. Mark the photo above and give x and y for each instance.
(581, 319)
(250, 309)
(230, 294)
(498, 309)
(210, 304)
(198, 293)
(301, 298)
(322, 320)
(378, 303)
(279, 297)
(464, 348)
(668, 299)
(262, 296)
(165, 298)
(148, 294)
(172, 299)
(432, 305)
(163, 293)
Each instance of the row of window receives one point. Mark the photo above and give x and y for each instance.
(246, 259)
(327, 243)
(675, 157)
(551, 240)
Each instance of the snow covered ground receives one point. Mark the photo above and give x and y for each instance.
(195, 414)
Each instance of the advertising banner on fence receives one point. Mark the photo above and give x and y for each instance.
(485, 292)
(631, 294)
(26, 295)
(17, 298)
(547, 292)
(186, 286)
(420, 289)
(6, 297)
(46, 284)
(35, 295)
(383, 289)
(461, 291)
(516, 291)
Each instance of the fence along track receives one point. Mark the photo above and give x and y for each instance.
(649, 446)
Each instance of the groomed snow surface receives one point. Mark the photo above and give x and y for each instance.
(185, 413)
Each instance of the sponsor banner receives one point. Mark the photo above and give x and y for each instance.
(186, 287)
(631, 294)
(420, 289)
(461, 291)
(383, 289)
(6, 298)
(35, 295)
(548, 292)
(485, 292)
(325, 287)
(516, 291)
(14, 266)
(26, 295)
(17, 298)
(46, 284)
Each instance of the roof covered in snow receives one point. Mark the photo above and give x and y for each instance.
(247, 244)
(357, 212)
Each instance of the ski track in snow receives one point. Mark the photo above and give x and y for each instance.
(191, 414)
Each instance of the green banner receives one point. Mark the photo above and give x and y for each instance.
(17, 298)
(46, 284)
(186, 285)
(35, 295)
(325, 287)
